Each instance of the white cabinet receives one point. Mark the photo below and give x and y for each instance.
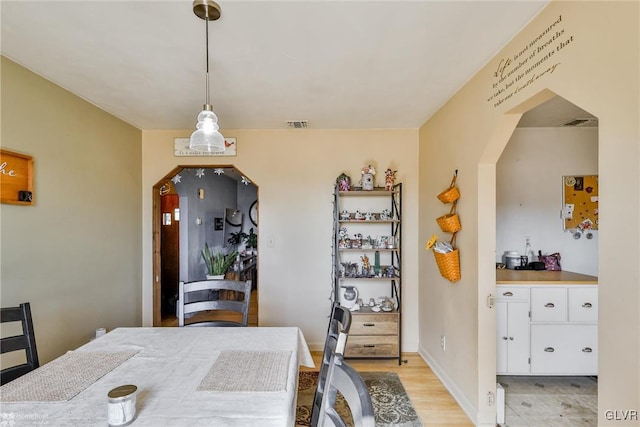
(564, 349)
(512, 341)
(547, 329)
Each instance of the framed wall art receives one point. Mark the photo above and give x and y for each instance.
(16, 178)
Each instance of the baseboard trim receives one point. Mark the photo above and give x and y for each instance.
(450, 385)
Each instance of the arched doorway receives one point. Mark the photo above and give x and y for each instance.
(193, 206)
(548, 108)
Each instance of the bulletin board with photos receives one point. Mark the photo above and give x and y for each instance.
(580, 196)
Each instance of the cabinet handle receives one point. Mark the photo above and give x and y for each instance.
(511, 338)
(549, 349)
(505, 338)
(587, 350)
(369, 345)
(368, 324)
(549, 305)
(587, 305)
(507, 294)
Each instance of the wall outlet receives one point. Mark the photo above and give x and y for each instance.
(443, 342)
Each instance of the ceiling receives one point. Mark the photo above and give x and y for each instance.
(338, 64)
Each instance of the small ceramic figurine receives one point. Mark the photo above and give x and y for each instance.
(358, 215)
(368, 216)
(344, 182)
(365, 264)
(368, 172)
(344, 215)
(385, 214)
(389, 179)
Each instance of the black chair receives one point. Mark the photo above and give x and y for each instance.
(26, 342)
(337, 334)
(190, 301)
(344, 379)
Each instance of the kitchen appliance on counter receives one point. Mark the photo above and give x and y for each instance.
(511, 259)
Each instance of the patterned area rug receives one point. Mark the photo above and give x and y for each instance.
(390, 401)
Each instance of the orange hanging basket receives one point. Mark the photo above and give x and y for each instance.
(450, 223)
(449, 263)
(452, 193)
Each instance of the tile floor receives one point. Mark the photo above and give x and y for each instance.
(541, 401)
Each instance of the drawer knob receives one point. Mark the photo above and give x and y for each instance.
(549, 305)
(587, 350)
(505, 338)
(368, 324)
(511, 338)
(507, 294)
(587, 305)
(549, 349)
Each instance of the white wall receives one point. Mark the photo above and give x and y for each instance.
(295, 171)
(529, 193)
(75, 253)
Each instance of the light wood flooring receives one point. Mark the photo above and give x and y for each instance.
(432, 401)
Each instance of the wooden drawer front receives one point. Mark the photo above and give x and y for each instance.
(510, 293)
(564, 349)
(374, 324)
(583, 305)
(549, 304)
(365, 346)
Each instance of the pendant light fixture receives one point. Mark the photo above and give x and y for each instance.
(206, 137)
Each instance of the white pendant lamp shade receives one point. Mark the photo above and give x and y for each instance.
(206, 137)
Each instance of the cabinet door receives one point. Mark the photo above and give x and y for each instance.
(518, 338)
(564, 349)
(548, 304)
(583, 304)
(512, 340)
(502, 337)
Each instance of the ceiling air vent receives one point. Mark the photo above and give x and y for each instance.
(580, 122)
(298, 124)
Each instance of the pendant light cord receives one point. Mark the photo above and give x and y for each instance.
(207, 48)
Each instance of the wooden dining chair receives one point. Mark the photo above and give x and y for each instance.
(26, 341)
(344, 379)
(337, 334)
(225, 303)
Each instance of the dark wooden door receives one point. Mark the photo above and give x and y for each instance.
(169, 253)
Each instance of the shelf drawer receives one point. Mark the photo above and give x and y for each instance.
(564, 349)
(374, 324)
(549, 304)
(511, 293)
(372, 346)
(583, 305)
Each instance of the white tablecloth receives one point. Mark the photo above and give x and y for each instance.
(168, 367)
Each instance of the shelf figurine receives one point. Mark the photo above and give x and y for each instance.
(344, 182)
(368, 172)
(389, 179)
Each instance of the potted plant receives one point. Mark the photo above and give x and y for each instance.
(237, 238)
(217, 262)
(251, 242)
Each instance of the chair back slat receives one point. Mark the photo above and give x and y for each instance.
(191, 301)
(26, 341)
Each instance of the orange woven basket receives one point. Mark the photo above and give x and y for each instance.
(450, 223)
(452, 193)
(449, 263)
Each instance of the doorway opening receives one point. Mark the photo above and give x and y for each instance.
(547, 367)
(194, 206)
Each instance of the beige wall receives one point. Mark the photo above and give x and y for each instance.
(75, 254)
(295, 171)
(598, 71)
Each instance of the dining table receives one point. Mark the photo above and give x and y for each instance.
(189, 376)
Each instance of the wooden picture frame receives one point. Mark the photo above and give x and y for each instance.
(16, 178)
